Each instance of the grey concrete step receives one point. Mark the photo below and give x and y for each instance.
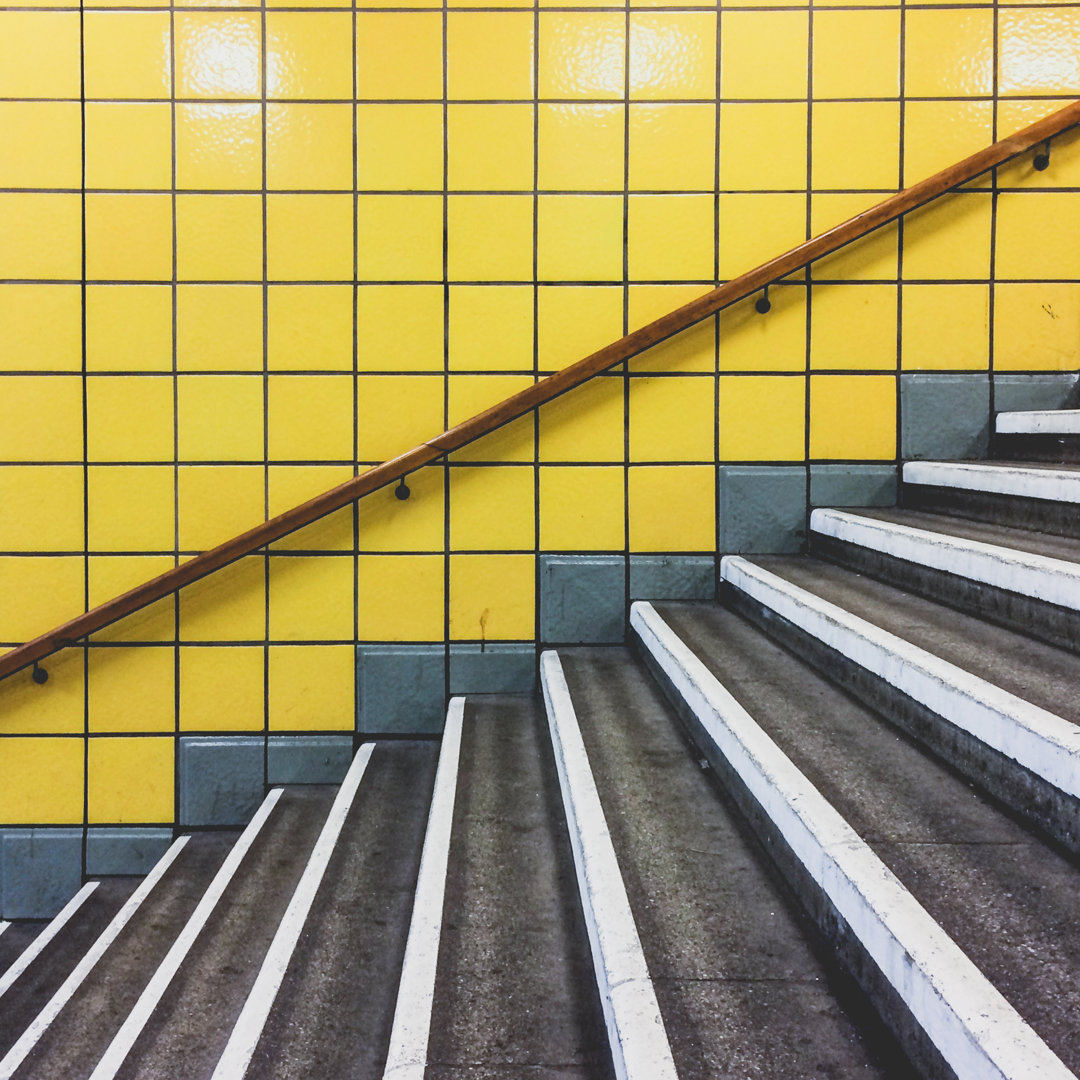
(16, 938)
(997, 889)
(740, 976)
(1046, 435)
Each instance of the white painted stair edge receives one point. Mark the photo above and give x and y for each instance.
(1054, 581)
(1041, 741)
(972, 1026)
(1054, 485)
(1039, 422)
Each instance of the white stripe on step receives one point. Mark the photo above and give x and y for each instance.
(40, 1024)
(37, 946)
(1039, 422)
(1056, 485)
(3, 926)
(407, 1056)
(252, 1019)
(132, 1027)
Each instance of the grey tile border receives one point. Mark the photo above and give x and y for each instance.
(119, 849)
(762, 509)
(582, 599)
(40, 870)
(308, 758)
(944, 416)
(221, 778)
(853, 485)
(672, 577)
(498, 667)
(401, 689)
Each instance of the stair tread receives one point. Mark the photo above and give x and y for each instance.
(1035, 671)
(515, 989)
(16, 938)
(988, 465)
(739, 983)
(1000, 892)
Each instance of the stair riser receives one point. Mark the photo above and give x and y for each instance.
(1063, 449)
(1048, 622)
(1042, 805)
(869, 992)
(1041, 515)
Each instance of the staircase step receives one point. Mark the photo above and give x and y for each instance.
(996, 889)
(1025, 580)
(738, 973)
(1048, 435)
(1039, 422)
(16, 939)
(1042, 497)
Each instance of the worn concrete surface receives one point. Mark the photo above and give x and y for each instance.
(16, 938)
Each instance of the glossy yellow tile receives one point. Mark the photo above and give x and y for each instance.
(579, 238)
(946, 327)
(219, 328)
(381, 312)
(40, 328)
(492, 597)
(221, 688)
(874, 256)
(585, 425)
(310, 417)
(672, 55)
(42, 236)
(938, 133)
(763, 54)
(467, 395)
(491, 328)
(43, 508)
(950, 238)
(127, 54)
(131, 690)
(220, 417)
(290, 485)
(949, 52)
(1039, 50)
(42, 143)
(1036, 326)
(309, 237)
(309, 147)
(309, 54)
(309, 327)
(381, 582)
(312, 688)
(129, 419)
(218, 146)
(39, 54)
(853, 416)
(856, 145)
(130, 508)
(853, 326)
(489, 55)
(776, 341)
(489, 237)
(129, 237)
(395, 413)
(762, 418)
(492, 509)
(399, 55)
(108, 576)
(219, 237)
(129, 781)
(128, 145)
(311, 598)
(580, 147)
(856, 54)
(672, 508)
(582, 55)
(693, 349)
(762, 146)
(128, 328)
(672, 147)
(755, 227)
(215, 502)
(399, 237)
(1036, 235)
(490, 147)
(1064, 168)
(672, 419)
(41, 781)
(38, 593)
(582, 508)
(387, 523)
(670, 237)
(399, 147)
(230, 605)
(574, 321)
(218, 54)
(59, 712)
(40, 419)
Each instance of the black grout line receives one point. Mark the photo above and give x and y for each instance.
(85, 441)
(265, 387)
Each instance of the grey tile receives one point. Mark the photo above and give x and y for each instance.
(853, 485)
(115, 849)
(308, 759)
(672, 577)
(40, 871)
(762, 508)
(1042, 390)
(944, 416)
(221, 779)
(402, 689)
(582, 599)
(497, 668)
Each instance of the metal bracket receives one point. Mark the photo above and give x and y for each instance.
(402, 490)
(39, 674)
(1041, 161)
(762, 304)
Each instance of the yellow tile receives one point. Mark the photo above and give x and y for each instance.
(492, 508)
(949, 52)
(491, 327)
(39, 54)
(42, 143)
(694, 349)
(218, 54)
(129, 237)
(946, 326)
(399, 147)
(219, 237)
(128, 328)
(1036, 234)
(489, 55)
(219, 328)
(40, 328)
(672, 419)
(853, 416)
(400, 237)
(310, 417)
(399, 55)
(754, 133)
(41, 781)
(309, 146)
(671, 236)
(856, 144)
(387, 523)
(127, 54)
(576, 320)
(672, 147)
(874, 256)
(132, 690)
(309, 54)
(40, 418)
(763, 54)
(381, 582)
(110, 575)
(1036, 326)
(582, 54)
(396, 413)
(856, 54)
(754, 228)
(381, 311)
(1038, 51)
(218, 147)
(129, 781)
(220, 417)
(216, 502)
(582, 509)
(131, 508)
(309, 327)
(312, 688)
(290, 485)
(762, 418)
(221, 688)
(672, 508)
(775, 341)
(489, 237)
(853, 326)
(311, 598)
(580, 147)
(43, 508)
(672, 55)
(491, 597)
(939, 133)
(467, 395)
(42, 235)
(229, 605)
(1064, 167)
(30, 709)
(38, 594)
(579, 237)
(309, 237)
(129, 419)
(585, 424)
(490, 147)
(949, 238)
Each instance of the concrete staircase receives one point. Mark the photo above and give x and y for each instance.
(826, 826)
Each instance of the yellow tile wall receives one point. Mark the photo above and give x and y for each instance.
(246, 253)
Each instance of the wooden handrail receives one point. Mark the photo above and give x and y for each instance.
(543, 391)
